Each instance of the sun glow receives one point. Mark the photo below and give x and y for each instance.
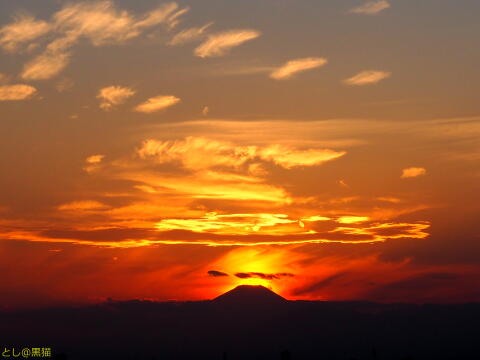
(256, 266)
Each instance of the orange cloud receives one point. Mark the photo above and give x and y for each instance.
(189, 35)
(352, 219)
(85, 205)
(73, 22)
(114, 95)
(289, 158)
(23, 29)
(157, 103)
(93, 163)
(219, 44)
(45, 66)
(16, 92)
(94, 159)
(296, 66)
(231, 223)
(413, 172)
(201, 185)
(367, 77)
(200, 153)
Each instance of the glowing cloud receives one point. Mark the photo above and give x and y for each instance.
(111, 25)
(413, 172)
(157, 103)
(371, 7)
(214, 230)
(16, 92)
(367, 77)
(113, 95)
(45, 66)
(93, 163)
(74, 22)
(289, 158)
(94, 159)
(85, 205)
(220, 43)
(293, 67)
(352, 219)
(189, 35)
(202, 153)
(23, 29)
(230, 224)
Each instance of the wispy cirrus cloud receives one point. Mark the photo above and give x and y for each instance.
(124, 237)
(45, 66)
(371, 7)
(189, 35)
(157, 103)
(16, 92)
(22, 30)
(201, 153)
(216, 192)
(85, 205)
(114, 95)
(295, 66)
(74, 22)
(367, 77)
(413, 172)
(221, 43)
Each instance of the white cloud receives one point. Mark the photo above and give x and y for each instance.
(371, 7)
(114, 95)
(220, 43)
(367, 77)
(16, 92)
(293, 67)
(413, 172)
(189, 35)
(157, 103)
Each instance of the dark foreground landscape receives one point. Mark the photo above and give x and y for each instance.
(248, 323)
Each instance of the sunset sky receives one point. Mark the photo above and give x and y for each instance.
(172, 150)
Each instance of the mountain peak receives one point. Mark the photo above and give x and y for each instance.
(250, 295)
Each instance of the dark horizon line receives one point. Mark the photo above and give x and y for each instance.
(110, 300)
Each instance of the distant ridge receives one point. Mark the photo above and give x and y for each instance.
(250, 295)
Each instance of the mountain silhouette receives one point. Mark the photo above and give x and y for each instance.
(251, 295)
(248, 322)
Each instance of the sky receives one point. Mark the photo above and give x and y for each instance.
(328, 150)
